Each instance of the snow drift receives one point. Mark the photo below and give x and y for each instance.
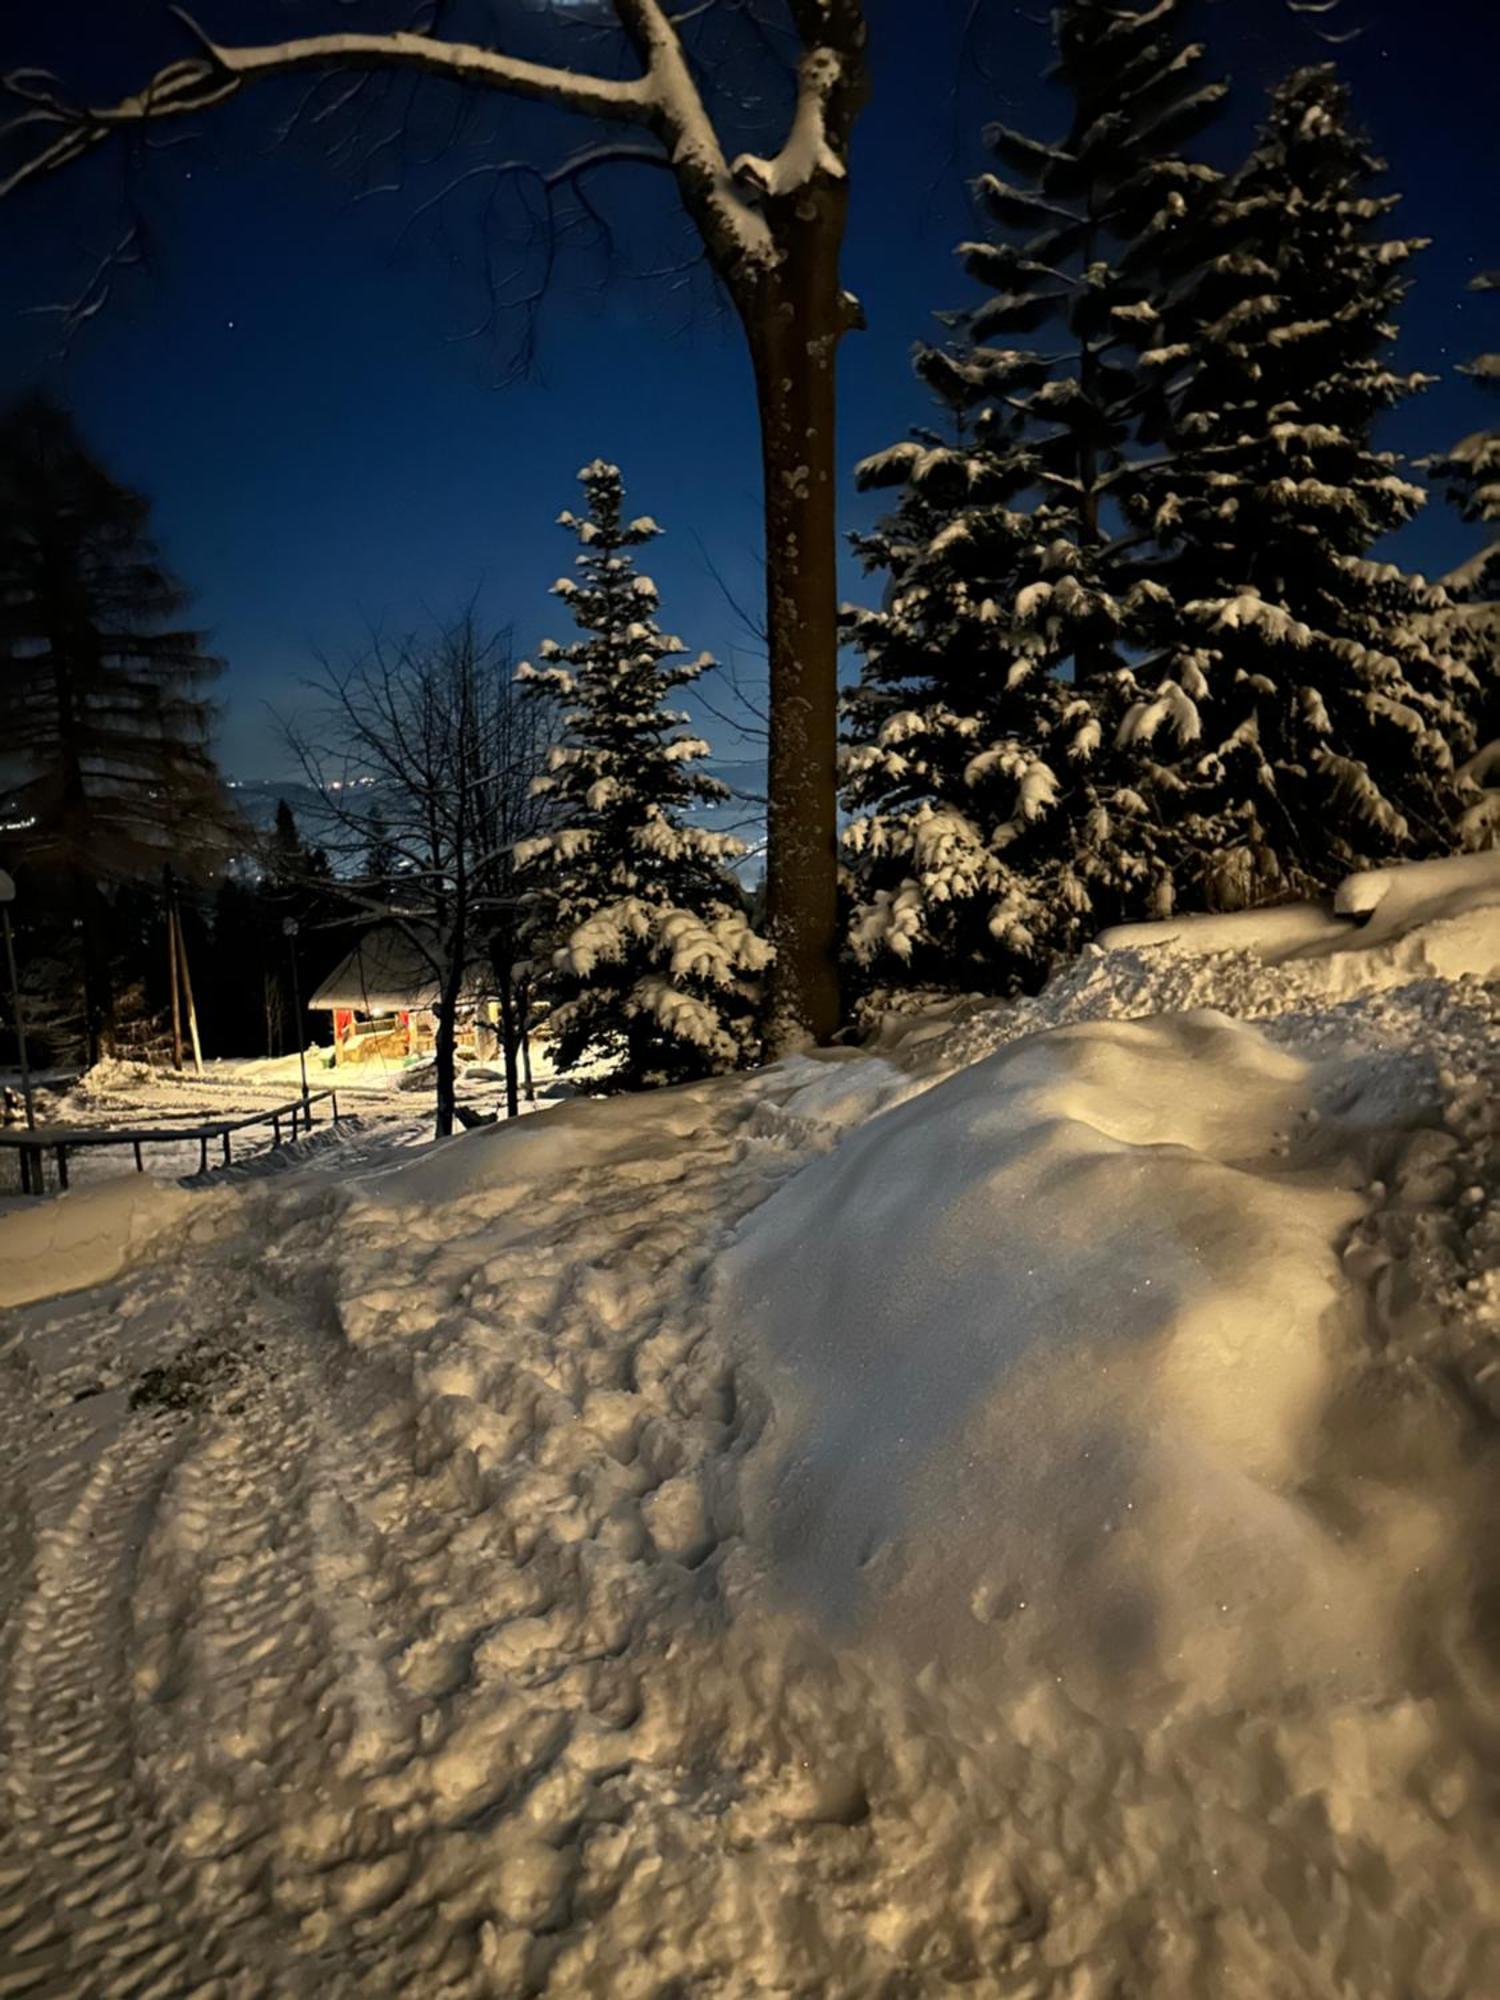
(1438, 918)
(1059, 1336)
(81, 1239)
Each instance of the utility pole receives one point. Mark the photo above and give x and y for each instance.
(289, 931)
(187, 989)
(7, 897)
(166, 876)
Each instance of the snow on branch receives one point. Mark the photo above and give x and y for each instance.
(664, 98)
(183, 88)
(806, 152)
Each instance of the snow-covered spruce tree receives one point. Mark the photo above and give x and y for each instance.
(657, 970)
(1470, 472)
(1299, 723)
(985, 838)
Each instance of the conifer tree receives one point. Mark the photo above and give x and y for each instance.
(1470, 472)
(984, 836)
(656, 974)
(286, 855)
(1298, 723)
(104, 717)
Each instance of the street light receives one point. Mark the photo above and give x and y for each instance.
(7, 897)
(289, 932)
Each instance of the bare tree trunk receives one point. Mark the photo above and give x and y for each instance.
(445, 1041)
(794, 322)
(509, 1041)
(98, 981)
(443, 1046)
(523, 1025)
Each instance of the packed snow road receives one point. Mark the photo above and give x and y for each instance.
(1013, 1511)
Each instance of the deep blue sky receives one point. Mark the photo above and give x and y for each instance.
(326, 456)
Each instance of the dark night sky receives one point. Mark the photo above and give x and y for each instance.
(325, 455)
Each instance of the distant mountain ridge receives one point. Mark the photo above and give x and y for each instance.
(257, 799)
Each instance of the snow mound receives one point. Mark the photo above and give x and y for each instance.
(805, 1099)
(1421, 891)
(1439, 918)
(1053, 1346)
(1271, 934)
(1446, 914)
(1429, 977)
(815, 1099)
(84, 1238)
(582, 1135)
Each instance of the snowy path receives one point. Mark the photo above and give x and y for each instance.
(430, 1626)
(374, 1619)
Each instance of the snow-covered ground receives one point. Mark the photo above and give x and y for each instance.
(1014, 1508)
(397, 1098)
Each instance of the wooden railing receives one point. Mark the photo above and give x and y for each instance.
(34, 1142)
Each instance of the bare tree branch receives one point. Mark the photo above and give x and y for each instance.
(665, 98)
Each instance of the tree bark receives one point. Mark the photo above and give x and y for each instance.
(509, 1039)
(444, 1069)
(794, 321)
(523, 1020)
(187, 990)
(445, 1040)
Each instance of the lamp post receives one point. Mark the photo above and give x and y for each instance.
(289, 932)
(7, 897)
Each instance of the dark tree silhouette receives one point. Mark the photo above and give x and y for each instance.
(103, 710)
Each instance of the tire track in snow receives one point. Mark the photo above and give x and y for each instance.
(367, 1689)
(231, 1663)
(83, 1836)
(268, 1664)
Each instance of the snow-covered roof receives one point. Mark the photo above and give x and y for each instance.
(386, 972)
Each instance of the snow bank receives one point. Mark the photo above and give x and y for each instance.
(1440, 918)
(1271, 934)
(1052, 1347)
(1426, 978)
(83, 1238)
(578, 1136)
(815, 1099)
(806, 1099)
(1421, 891)
(1447, 913)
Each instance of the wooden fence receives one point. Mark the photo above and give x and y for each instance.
(35, 1142)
